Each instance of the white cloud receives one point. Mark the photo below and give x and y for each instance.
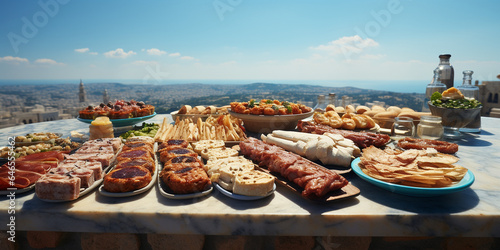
(187, 58)
(14, 60)
(82, 50)
(347, 45)
(47, 61)
(175, 54)
(119, 53)
(156, 52)
(141, 62)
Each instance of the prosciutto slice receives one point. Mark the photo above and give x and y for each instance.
(361, 139)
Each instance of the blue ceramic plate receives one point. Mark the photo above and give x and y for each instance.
(414, 191)
(123, 122)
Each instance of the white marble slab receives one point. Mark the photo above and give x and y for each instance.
(474, 212)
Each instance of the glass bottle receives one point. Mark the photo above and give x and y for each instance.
(430, 127)
(435, 86)
(447, 74)
(321, 104)
(332, 99)
(467, 89)
(470, 91)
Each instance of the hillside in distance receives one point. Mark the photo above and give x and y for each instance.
(303, 93)
(170, 97)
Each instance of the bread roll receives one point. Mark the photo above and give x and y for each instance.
(406, 109)
(371, 113)
(362, 109)
(350, 108)
(394, 109)
(339, 109)
(413, 115)
(330, 107)
(378, 108)
(184, 109)
(386, 115)
(197, 110)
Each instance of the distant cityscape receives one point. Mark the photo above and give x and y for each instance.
(24, 104)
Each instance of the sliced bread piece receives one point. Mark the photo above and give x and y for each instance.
(218, 153)
(253, 183)
(205, 144)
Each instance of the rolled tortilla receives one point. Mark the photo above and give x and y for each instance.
(296, 147)
(295, 136)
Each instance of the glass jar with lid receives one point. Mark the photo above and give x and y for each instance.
(430, 127)
(321, 104)
(402, 127)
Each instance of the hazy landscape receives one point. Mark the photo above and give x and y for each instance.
(168, 98)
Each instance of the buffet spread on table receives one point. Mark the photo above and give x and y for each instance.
(256, 167)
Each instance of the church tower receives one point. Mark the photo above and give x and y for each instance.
(81, 95)
(105, 97)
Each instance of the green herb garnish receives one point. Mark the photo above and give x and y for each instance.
(251, 103)
(454, 103)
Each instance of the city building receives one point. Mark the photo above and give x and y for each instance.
(488, 96)
(82, 95)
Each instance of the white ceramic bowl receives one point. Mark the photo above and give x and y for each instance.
(267, 123)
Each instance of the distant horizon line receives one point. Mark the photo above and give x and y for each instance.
(402, 86)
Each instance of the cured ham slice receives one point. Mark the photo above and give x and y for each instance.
(19, 182)
(43, 156)
(440, 146)
(361, 139)
(316, 180)
(28, 169)
(35, 166)
(20, 177)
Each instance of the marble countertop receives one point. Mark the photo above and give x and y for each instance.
(474, 212)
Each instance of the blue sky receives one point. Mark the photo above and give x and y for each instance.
(243, 39)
